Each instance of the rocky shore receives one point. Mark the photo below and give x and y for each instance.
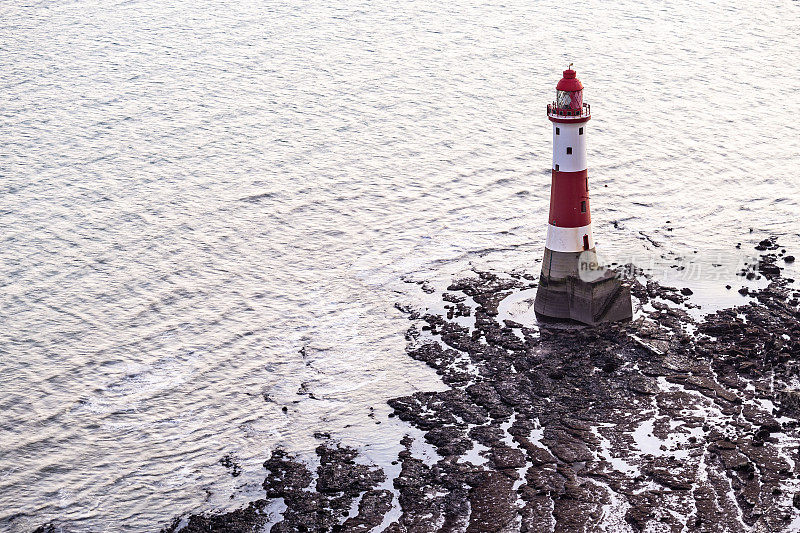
(659, 424)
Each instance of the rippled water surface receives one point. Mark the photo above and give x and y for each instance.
(193, 192)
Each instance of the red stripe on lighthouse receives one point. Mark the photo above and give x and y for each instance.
(569, 199)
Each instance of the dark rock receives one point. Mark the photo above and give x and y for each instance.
(230, 463)
(372, 507)
(285, 475)
(505, 457)
(492, 504)
(339, 473)
(247, 520)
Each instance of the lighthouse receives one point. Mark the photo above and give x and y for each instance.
(573, 286)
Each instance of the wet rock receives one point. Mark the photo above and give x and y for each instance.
(505, 457)
(374, 504)
(492, 503)
(565, 447)
(339, 473)
(449, 440)
(673, 478)
(643, 385)
(247, 520)
(230, 463)
(285, 475)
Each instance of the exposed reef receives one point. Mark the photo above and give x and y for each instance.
(659, 424)
(313, 501)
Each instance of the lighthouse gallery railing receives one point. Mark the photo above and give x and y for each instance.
(584, 111)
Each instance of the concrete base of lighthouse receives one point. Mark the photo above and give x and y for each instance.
(573, 287)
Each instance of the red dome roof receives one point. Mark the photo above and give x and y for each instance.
(569, 82)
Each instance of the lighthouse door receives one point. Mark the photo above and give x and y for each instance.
(585, 242)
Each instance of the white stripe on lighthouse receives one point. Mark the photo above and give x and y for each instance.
(569, 136)
(568, 239)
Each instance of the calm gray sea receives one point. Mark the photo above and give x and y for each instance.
(193, 191)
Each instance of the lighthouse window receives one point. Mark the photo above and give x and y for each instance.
(583, 206)
(556, 166)
(569, 149)
(580, 131)
(558, 131)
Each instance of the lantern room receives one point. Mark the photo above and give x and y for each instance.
(569, 92)
(568, 105)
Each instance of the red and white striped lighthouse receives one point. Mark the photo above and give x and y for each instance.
(570, 227)
(565, 289)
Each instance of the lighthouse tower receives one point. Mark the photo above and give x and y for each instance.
(572, 285)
